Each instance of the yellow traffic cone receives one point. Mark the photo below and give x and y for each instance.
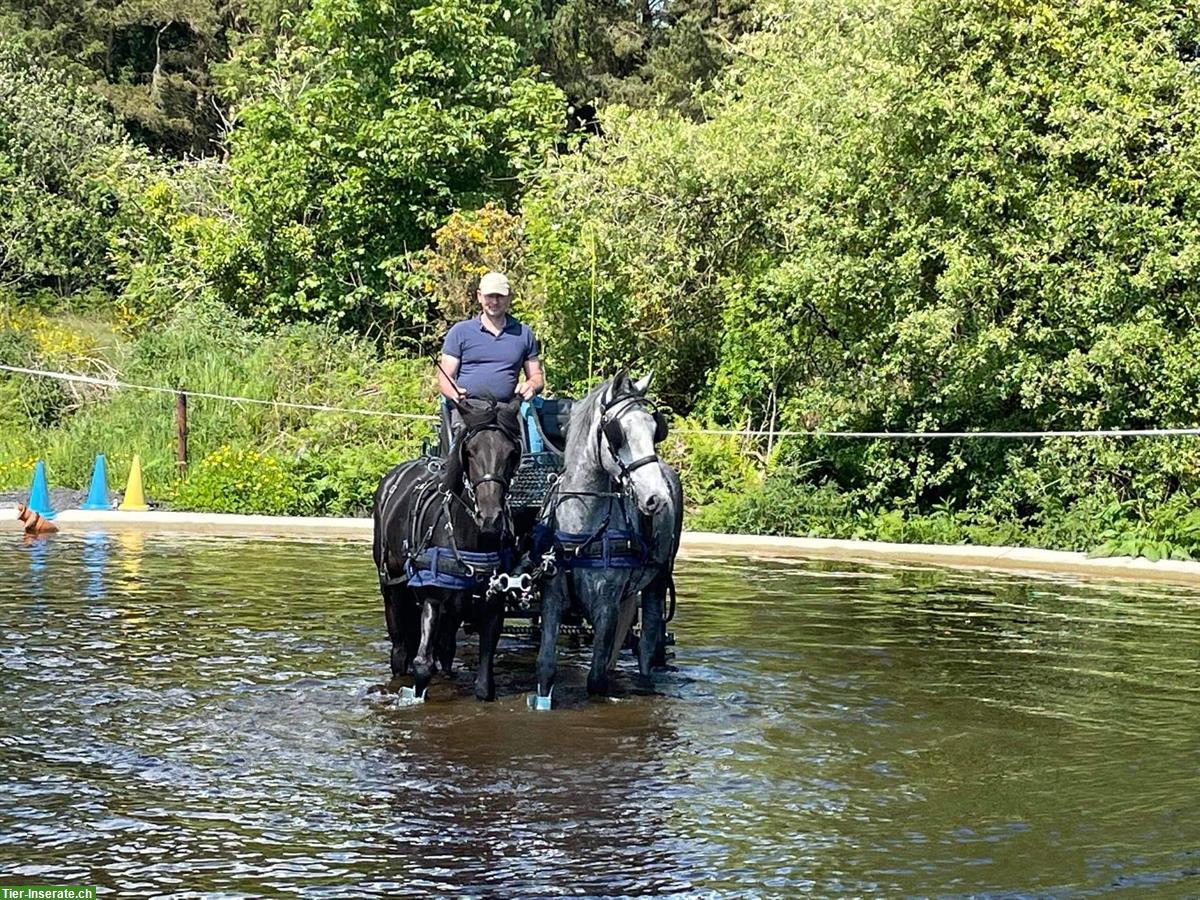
(134, 499)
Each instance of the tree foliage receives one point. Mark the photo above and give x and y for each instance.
(642, 53)
(470, 244)
(865, 214)
(382, 120)
(61, 162)
(150, 59)
(912, 214)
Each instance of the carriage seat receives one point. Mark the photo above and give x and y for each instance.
(546, 420)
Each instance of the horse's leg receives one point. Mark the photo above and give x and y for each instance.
(653, 625)
(399, 614)
(491, 623)
(422, 664)
(625, 617)
(553, 602)
(447, 640)
(604, 624)
(410, 620)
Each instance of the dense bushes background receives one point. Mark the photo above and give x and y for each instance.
(245, 457)
(890, 215)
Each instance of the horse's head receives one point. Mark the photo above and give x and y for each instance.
(630, 427)
(484, 460)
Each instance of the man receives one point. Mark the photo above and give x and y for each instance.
(486, 355)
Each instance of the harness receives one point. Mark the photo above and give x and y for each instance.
(456, 570)
(622, 546)
(427, 564)
(606, 547)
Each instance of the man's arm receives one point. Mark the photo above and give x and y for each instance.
(534, 381)
(447, 368)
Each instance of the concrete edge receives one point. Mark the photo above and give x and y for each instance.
(694, 543)
(966, 556)
(79, 521)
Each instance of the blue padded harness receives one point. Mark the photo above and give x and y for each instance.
(466, 570)
(610, 548)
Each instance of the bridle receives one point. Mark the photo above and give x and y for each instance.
(610, 430)
(470, 486)
(569, 548)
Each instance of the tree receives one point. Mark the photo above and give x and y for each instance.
(61, 161)
(912, 214)
(157, 58)
(150, 59)
(259, 33)
(381, 119)
(642, 52)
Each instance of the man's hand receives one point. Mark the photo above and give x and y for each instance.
(526, 391)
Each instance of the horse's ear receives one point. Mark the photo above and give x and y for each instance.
(620, 383)
(643, 384)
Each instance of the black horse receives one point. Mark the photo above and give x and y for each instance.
(442, 530)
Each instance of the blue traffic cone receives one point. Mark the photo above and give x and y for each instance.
(39, 494)
(97, 497)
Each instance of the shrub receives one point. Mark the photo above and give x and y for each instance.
(16, 473)
(241, 480)
(782, 505)
(708, 464)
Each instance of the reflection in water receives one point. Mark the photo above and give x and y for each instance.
(193, 715)
(130, 561)
(38, 549)
(94, 559)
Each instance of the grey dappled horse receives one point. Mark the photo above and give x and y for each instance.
(614, 517)
(442, 529)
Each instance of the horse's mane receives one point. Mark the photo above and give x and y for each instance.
(583, 415)
(479, 413)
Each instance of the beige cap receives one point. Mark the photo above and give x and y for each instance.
(494, 283)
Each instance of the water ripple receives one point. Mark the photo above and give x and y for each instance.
(191, 717)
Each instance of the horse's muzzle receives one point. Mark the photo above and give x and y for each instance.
(490, 523)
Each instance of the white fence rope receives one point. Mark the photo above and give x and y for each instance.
(315, 407)
(759, 432)
(943, 435)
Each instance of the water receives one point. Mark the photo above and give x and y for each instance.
(191, 716)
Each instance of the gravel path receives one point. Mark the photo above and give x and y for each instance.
(63, 498)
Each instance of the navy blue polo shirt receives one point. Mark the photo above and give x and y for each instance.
(490, 364)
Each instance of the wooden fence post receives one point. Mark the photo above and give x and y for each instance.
(181, 432)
